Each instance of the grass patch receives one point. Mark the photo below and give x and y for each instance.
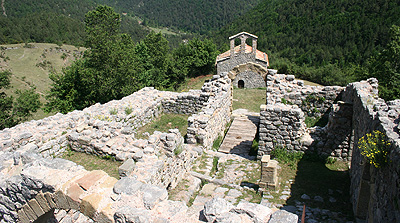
(194, 83)
(217, 143)
(214, 168)
(165, 122)
(22, 63)
(92, 162)
(315, 121)
(284, 156)
(249, 99)
(309, 83)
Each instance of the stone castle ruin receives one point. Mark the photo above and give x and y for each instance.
(34, 184)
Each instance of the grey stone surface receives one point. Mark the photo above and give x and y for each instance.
(152, 195)
(216, 207)
(127, 185)
(126, 168)
(282, 216)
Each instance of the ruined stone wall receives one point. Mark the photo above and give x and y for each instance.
(289, 103)
(205, 126)
(280, 126)
(185, 103)
(314, 101)
(375, 192)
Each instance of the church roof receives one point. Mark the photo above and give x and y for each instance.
(259, 54)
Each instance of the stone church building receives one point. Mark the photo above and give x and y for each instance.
(245, 65)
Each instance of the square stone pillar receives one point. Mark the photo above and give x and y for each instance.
(232, 47)
(254, 47)
(269, 173)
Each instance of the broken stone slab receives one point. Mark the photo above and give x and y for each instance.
(127, 185)
(126, 168)
(152, 195)
(129, 214)
(283, 216)
(215, 208)
(259, 213)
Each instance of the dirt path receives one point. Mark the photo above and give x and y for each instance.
(4, 8)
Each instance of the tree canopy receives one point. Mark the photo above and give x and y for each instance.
(114, 66)
(386, 67)
(18, 110)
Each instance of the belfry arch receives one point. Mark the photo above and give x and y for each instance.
(244, 63)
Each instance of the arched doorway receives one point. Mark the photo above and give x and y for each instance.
(241, 84)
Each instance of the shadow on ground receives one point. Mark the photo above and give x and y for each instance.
(325, 192)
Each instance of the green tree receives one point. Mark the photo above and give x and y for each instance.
(113, 66)
(386, 67)
(19, 110)
(197, 56)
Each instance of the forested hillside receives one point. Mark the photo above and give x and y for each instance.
(198, 16)
(52, 21)
(327, 34)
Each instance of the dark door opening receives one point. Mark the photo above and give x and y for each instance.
(240, 84)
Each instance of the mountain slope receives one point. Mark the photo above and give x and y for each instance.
(318, 32)
(198, 16)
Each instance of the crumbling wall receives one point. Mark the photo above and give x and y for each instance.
(280, 126)
(375, 192)
(185, 103)
(205, 126)
(289, 103)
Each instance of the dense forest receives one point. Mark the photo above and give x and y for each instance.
(61, 21)
(53, 21)
(322, 41)
(198, 16)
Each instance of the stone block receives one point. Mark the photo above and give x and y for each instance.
(90, 179)
(74, 191)
(60, 200)
(22, 217)
(36, 207)
(90, 204)
(126, 168)
(29, 212)
(42, 202)
(49, 199)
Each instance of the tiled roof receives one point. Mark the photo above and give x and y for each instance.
(259, 55)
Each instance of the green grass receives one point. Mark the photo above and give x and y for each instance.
(165, 122)
(194, 83)
(23, 65)
(249, 99)
(91, 162)
(309, 83)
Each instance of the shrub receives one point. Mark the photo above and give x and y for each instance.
(375, 148)
(284, 156)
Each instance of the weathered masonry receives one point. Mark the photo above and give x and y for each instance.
(238, 57)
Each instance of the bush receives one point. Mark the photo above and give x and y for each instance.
(284, 156)
(375, 148)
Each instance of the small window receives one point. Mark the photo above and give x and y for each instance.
(240, 84)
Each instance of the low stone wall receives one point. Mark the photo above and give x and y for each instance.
(314, 101)
(185, 103)
(205, 126)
